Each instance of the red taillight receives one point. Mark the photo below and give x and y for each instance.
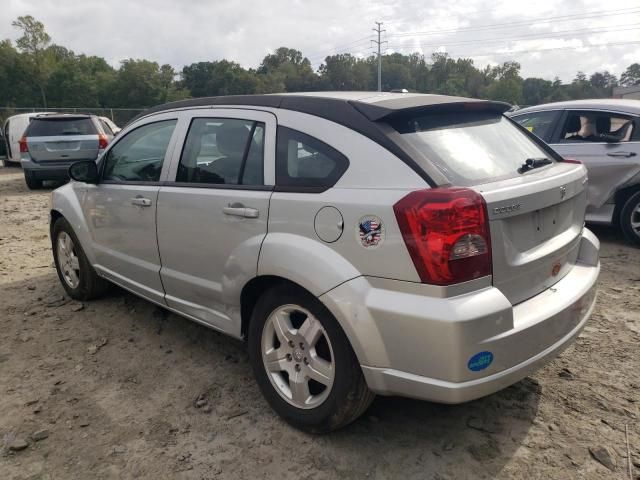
(103, 141)
(24, 148)
(571, 160)
(446, 231)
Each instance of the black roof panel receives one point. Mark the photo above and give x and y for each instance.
(359, 111)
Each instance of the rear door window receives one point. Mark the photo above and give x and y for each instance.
(53, 127)
(581, 126)
(223, 151)
(539, 123)
(470, 148)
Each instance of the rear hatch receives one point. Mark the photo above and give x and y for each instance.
(65, 138)
(536, 215)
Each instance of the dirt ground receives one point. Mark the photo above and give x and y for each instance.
(114, 385)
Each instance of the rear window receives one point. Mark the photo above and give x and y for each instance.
(470, 148)
(50, 127)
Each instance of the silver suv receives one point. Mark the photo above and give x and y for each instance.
(52, 142)
(362, 243)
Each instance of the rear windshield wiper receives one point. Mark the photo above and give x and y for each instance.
(531, 163)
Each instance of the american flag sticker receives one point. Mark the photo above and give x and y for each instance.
(370, 231)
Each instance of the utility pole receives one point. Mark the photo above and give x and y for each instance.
(379, 31)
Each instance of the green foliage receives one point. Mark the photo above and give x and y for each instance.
(35, 72)
(37, 57)
(631, 76)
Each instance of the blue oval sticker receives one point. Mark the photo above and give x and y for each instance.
(480, 361)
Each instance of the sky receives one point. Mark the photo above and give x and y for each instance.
(548, 38)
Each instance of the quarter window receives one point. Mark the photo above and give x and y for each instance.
(138, 156)
(223, 151)
(583, 126)
(306, 162)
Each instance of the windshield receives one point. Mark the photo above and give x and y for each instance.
(51, 127)
(470, 148)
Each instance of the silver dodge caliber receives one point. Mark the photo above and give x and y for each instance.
(362, 243)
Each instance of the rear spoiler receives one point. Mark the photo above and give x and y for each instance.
(388, 109)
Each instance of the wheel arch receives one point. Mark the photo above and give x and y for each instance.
(250, 294)
(65, 204)
(257, 286)
(620, 198)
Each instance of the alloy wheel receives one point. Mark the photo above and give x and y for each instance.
(635, 219)
(68, 260)
(298, 356)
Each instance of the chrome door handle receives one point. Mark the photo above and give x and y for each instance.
(241, 211)
(622, 154)
(141, 202)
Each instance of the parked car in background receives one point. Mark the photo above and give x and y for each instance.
(51, 143)
(605, 136)
(12, 132)
(109, 125)
(362, 242)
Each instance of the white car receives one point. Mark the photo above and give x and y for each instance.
(108, 124)
(12, 131)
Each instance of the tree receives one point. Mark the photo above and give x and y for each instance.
(631, 76)
(536, 90)
(139, 84)
(15, 90)
(170, 90)
(79, 80)
(345, 72)
(218, 78)
(580, 87)
(291, 67)
(507, 84)
(602, 83)
(33, 44)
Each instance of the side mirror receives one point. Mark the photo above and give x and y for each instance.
(85, 171)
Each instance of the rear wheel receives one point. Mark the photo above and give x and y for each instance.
(630, 219)
(304, 363)
(32, 182)
(76, 274)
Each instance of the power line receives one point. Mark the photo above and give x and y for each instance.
(559, 18)
(584, 16)
(535, 36)
(335, 49)
(536, 50)
(378, 42)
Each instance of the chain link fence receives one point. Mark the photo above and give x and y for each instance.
(120, 116)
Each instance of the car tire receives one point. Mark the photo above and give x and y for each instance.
(630, 219)
(78, 278)
(32, 182)
(11, 164)
(327, 408)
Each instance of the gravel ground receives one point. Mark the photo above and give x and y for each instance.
(118, 388)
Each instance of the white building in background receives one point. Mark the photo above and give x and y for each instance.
(627, 92)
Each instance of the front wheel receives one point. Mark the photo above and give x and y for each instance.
(76, 274)
(304, 363)
(630, 219)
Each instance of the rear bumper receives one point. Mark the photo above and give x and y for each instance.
(418, 346)
(51, 170)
